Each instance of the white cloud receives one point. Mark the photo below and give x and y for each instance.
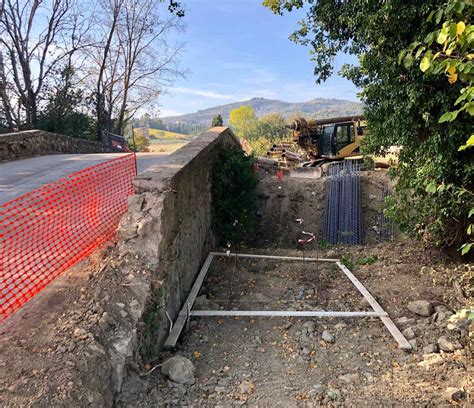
(201, 92)
(169, 112)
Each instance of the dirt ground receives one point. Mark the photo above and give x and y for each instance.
(261, 362)
(284, 362)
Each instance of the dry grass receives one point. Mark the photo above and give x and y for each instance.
(164, 134)
(158, 147)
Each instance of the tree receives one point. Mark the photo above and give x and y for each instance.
(243, 122)
(259, 133)
(446, 51)
(402, 104)
(272, 127)
(450, 54)
(62, 113)
(134, 57)
(217, 121)
(36, 37)
(117, 49)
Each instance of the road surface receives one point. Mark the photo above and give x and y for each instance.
(22, 176)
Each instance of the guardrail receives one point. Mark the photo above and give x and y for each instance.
(48, 230)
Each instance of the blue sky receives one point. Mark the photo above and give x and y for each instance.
(237, 49)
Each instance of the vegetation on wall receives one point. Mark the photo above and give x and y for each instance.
(403, 104)
(233, 197)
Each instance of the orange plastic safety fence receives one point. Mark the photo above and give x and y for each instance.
(48, 230)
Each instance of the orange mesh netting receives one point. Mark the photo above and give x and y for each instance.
(48, 230)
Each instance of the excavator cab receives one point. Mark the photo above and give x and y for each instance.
(340, 140)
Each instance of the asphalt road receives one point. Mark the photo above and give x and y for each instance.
(21, 176)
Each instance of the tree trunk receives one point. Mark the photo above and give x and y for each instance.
(4, 96)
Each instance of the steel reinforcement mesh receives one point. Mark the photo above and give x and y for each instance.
(344, 204)
(48, 230)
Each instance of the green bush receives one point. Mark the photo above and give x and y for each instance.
(352, 263)
(233, 196)
(348, 262)
(64, 111)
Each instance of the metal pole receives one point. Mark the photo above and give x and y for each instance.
(134, 150)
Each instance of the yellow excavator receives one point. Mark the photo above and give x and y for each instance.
(329, 139)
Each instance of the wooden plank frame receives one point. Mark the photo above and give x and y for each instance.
(187, 310)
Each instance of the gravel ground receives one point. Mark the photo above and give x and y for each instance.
(281, 362)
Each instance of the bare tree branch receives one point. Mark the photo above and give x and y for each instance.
(38, 36)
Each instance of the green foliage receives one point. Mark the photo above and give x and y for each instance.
(447, 51)
(352, 263)
(175, 7)
(259, 146)
(272, 127)
(233, 197)
(243, 122)
(367, 260)
(217, 121)
(62, 113)
(403, 104)
(259, 133)
(139, 142)
(369, 163)
(348, 262)
(324, 244)
(469, 143)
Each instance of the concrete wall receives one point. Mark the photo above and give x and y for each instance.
(29, 143)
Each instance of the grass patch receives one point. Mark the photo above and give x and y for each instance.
(164, 134)
(157, 147)
(352, 263)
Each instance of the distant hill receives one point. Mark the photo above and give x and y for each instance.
(314, 108)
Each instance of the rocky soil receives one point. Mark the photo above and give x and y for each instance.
(280, 362)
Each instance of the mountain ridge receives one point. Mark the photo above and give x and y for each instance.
(317, 107)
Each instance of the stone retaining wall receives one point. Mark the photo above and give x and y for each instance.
(30, 143)
(168, 223)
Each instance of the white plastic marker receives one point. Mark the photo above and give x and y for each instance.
(311, 238)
